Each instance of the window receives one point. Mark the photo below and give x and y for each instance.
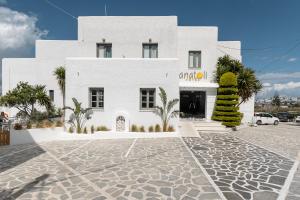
(51, 95)
(150, 50)
(104, 50)
(147, 98)
(195, 59)
(97, 97)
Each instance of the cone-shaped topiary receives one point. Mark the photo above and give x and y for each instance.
(226, 109)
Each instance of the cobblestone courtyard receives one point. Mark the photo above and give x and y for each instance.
(211, 166)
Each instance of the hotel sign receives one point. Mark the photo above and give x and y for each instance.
(193, 75)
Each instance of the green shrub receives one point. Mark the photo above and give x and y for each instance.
(226, 109)
(47, 124)
(157, 128)
(78, 129)
(134, 128)
(228, 79)
(102, 128)
(71, 130)
(92, 129)
(227, 90)
(18, 126)
(40, 124)
(85, 130)
(142, 129)
(171, 129)
(226, 97)
(29, 125)
(150, 129)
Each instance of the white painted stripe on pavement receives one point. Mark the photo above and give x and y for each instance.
(131, 146)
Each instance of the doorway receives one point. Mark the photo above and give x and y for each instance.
(192, 104)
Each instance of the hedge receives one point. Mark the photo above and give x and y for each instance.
(227, 108)
(227, 118)
(231, 124)
(226, 97)
(227, 113)
(228, 79)
(227, 90)
(226, 102)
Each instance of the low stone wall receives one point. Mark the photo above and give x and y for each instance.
(55, 134)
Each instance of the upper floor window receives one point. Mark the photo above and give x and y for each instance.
(195, 59)
(97, 97)
(147, 98)
(51, 95)
(150, 50)
(104, 50)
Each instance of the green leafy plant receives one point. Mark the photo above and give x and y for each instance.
(134, 128)
(18, 126)
(157, 128)
(58, 123)
(226, 109)
(85, 130)
(71, 129)
(150, 129)
(102, 128)
(248, 84)
(171, 129)
(60, 75)
(25, 97)
(142, 129)
(166, 112)
(28, 125)
(92, 129)
(79, 115)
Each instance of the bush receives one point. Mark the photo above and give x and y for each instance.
(59, 124)
(47, 124)
(171, 129)
(28, 125)
(142, 129)
(71, 130)
(102, 128)
(78, 130)
(227, 99)
(40, 125)
(85, 130)
(92, 129)
(134, 128)
(157, 128)
(228, 79)
(150, 129)
(18, 126)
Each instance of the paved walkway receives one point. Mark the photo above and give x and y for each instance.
(105, 169)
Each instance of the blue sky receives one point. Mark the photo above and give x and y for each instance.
(268, 29)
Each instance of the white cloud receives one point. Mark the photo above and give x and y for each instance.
(17, 29)
(286, 86)
(292, 59)
(18, 32)
(290, 88)
(267, 84)
(274, 76)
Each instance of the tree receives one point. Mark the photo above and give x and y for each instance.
(166, 112)
(79, 115)
(226, 109)
(60, 74)
(248, 84)
(25, 97)
(276, 100)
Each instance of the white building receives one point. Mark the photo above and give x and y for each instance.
(118, 63)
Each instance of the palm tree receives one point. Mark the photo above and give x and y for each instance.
(166, 112)
(247, 84)
(60, 74)
(79, 115)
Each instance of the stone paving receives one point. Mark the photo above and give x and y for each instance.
(241, 170)
(103, 169)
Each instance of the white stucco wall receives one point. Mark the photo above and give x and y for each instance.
(121, 80)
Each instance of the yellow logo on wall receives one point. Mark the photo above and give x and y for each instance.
(199, 75)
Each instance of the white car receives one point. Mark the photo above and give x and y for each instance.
(297, 120)
(265, 118)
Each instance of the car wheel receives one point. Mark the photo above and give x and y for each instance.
(276, 122)
(259, 122)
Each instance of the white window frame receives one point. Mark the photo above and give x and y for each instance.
(98, 100)
(192, 63)
(147, 101)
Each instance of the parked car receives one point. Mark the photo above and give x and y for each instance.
(265, 118)
(284, 116)
(297, 119)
